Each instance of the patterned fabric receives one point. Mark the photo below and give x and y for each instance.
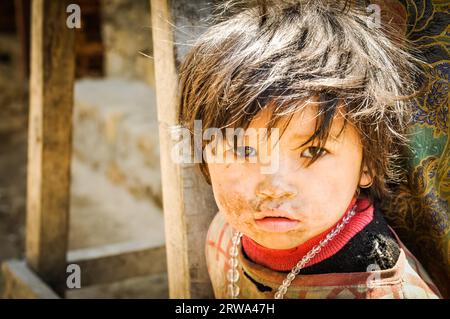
(407, 280)
(420, 211)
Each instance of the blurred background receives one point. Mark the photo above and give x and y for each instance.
(116, 187)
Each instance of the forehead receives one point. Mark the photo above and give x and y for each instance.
(303, 122)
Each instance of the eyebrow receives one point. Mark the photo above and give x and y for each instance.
(305, 137)
(332, 138)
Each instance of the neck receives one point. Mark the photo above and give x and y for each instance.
(286, 259)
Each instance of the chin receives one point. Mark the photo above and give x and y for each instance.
(277, 241)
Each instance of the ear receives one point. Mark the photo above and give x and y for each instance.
(365, 179)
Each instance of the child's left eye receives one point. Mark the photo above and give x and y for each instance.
(313, 151)
(245, 151)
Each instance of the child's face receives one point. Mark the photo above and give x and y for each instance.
(312, 199)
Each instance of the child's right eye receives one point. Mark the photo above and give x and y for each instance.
(312, 151)
(245, 151)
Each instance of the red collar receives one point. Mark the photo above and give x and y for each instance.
(286, 259)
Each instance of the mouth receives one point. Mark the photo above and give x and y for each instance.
(276, 224)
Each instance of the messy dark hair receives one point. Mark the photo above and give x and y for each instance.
(282, 52)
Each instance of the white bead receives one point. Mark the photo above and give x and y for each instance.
(291, 276)
(296, 271)
(233, 251)
(232, 275)
(233, 291)
(233, 263)
(235, 241)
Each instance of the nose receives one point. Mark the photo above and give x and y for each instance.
(271, 188)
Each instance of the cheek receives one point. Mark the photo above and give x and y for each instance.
(232, 204)
(233, 188)
(236, 208)
(338, 174)
(324, 183)
(328, 191)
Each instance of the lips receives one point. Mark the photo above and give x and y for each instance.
(276, 224)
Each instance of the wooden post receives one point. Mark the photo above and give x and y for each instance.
(49, 141)
(188, 201)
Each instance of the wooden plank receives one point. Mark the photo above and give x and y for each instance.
(112, 263)
(49, 141)
(22, 283)
(188, 201)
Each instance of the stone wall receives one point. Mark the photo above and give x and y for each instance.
(116, 133)
(126, 32)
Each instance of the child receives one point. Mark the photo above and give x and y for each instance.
(336, 89)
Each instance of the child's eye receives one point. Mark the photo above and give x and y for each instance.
(245, 151)
(313, 151)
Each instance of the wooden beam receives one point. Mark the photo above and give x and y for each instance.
(22, 283)
(49, 141)
(188, 201)
(112, 263)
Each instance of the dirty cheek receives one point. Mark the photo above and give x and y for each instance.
(232, 203)
(232, 191)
